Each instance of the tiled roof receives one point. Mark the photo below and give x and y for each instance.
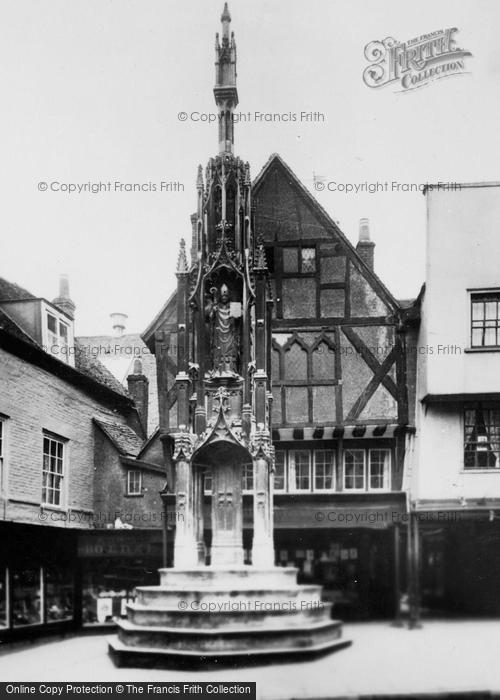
(10, 326)
(90, 365)
(118, 355)
(122, 436)
(9, 291)
(85, 362)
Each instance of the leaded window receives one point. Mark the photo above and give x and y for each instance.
(482, 437)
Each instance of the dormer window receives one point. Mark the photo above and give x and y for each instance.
(57, 331)
(57, 334)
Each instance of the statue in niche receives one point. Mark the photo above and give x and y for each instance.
(223, 315)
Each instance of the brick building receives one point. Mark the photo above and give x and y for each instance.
(74, 466)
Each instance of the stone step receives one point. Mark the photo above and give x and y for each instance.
(237, 616)
(167, 597)
(275, 576)
(143, 656)
(238, 640)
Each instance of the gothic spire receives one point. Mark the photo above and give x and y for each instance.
(226, 20)
(225, 92)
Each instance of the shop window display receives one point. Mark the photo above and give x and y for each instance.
(26, 593)
(58, 595)
(109, 585)
(3, 598)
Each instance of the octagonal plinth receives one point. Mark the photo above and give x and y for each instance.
(211, 613)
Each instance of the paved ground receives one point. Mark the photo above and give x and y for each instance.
(450, 656)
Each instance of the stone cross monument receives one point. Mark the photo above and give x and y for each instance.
(224, 403)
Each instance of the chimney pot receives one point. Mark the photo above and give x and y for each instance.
(365, 246)
(364, 230)
(118, 320)
(63, 301)
(138, 388)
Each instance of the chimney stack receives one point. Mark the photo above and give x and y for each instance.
(365, 247)
(118, 320)
(63, 301)
(138, 388)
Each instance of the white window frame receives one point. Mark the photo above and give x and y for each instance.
(3, 456)
(46, 435)
(344, 475)
(292, 478)
(481, 292)
(387, 470)
(333, 463)
(245, 476)
(285, 473)
(53, 343)
(135, 491)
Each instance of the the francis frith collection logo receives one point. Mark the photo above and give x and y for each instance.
(414, 63)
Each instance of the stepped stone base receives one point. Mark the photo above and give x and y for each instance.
(217, 615)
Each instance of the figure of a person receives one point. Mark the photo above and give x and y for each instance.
(224, 332)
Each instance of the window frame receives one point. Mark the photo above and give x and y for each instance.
(62, 489)
(285, 472)
(292, 471)
(333, 475)
(480, 406)
(344, 475)
(481, 295)
(386, 477)
(283, 385)
(51, 340)
(299, 247)
(140, 490)
(245, 476)
(3, 456)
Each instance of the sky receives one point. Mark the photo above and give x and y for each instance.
(92, 91)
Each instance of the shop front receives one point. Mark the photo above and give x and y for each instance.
(459, 563)
(38, 580)
(112, 563)
(354, 548)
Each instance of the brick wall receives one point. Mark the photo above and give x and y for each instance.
(35, 400)
(111, 499)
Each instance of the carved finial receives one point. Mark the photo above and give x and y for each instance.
(182, 264)
(225, 17)
(222, 397)
(199, 179)
(248, 181)
(260, 262)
